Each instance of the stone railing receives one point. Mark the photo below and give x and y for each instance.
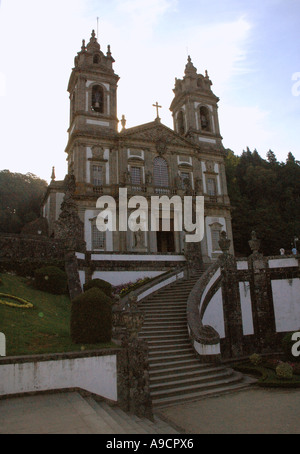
(204, 338)
(245, 305)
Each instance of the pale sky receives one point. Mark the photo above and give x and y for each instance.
(250, 48)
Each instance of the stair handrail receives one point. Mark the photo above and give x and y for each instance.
(204, 338)
(152, 286)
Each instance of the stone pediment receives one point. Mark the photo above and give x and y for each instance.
(158, 134)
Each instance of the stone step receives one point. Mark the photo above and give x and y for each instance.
(167, 337)
(163, 343)
(182, 349)
(181, 369)
(168, 306)
(183, 392)
(189, 380)
(163, 310)
(123, 423)
(218, 389)
(154, 318)
(164, 360)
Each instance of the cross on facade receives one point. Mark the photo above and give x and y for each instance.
(157, 107)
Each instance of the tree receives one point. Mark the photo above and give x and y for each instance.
(265, 197)
(20, 199)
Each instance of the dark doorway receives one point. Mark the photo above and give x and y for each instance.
(165, 240)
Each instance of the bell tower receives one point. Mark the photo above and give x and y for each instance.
(93, 102)
(194, 108)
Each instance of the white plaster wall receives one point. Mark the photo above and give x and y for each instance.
(138, 258)
(242, 265)
(247, 316)
(101, 378)
(283, 263)
(123, 277)
(2, 344)
(286, 297)
(89, 155)
(209, 285)
(214, 314)
(208, 221)
(203, 167)
(82, 277)
(216, 169)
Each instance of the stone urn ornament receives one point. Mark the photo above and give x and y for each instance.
(254, 243)
(224, 242)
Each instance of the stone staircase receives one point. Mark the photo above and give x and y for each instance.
(72, 413)
(176, 374)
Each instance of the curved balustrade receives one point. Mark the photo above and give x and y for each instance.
(204, 338)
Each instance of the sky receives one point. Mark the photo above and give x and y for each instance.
(251, 50)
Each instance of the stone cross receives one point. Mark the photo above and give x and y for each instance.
(157, 107)
(2, 345)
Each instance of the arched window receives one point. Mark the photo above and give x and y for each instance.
(160, 172)
(204, 119)
(98, 99)
(180, 123)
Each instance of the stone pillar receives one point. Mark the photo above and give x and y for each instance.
(233, 347)
(261, 296)
(71, 268)
(133, 366)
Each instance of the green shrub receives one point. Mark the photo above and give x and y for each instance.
(255, 359)
(51, 279)
(284, 370)
(106, 287)
(91, 318)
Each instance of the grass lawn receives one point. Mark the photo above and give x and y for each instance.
(45, 328)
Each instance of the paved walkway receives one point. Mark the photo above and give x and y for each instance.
(251, 411)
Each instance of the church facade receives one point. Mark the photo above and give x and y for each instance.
(148, 160)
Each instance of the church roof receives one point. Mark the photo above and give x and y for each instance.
(156, 132)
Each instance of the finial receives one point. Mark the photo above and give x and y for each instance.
(254, 243)
(123, 122)
(53, 174)
(93, 34)
(206, 73)
(83, 45)
(108, 51)
(224, 242)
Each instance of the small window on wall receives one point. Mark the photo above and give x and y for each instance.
(185, 179)
(97, 175)
(215, 237)
(136, 175)
(180, 123)
(98, 238)
(211, 186)
(204, 119)
(98, 99)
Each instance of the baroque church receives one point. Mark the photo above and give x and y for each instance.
(148, 159)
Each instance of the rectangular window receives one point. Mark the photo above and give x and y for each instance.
(185, 176)
(97, 175)
(136, 175)
(215, 236)
(211, 186)
(98, 238)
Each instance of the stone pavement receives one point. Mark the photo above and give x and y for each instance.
(251, 411)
